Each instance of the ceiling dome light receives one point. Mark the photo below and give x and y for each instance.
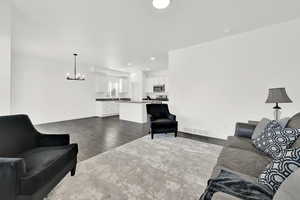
(161, 4)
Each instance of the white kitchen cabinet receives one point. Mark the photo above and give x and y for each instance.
(107, 108)
(149, 85)
(123, 85)
(135, 112)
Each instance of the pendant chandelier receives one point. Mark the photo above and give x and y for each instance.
(76, 76)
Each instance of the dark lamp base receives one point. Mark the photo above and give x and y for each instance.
(277, 107)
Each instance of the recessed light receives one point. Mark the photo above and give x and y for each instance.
(161, 4)
(129, 64)
(152, 58)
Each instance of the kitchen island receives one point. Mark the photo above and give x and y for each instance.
(106, 107)
(134, 111)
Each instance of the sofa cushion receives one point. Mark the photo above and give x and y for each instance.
(164, 123)
(289, 189)
(43, 163)
(273, 141)
(217, 170)
(279, 169)
(241, 143)
(294, 122)
(243, 161)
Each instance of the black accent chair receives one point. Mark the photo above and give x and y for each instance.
(31, 163)
(161, 120)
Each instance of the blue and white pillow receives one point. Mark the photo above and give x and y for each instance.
(279, 169)
(275, 139)
(273, 125)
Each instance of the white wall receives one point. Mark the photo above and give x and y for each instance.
(5, 52)
(216, 84)
(41, 90)
(157, 73)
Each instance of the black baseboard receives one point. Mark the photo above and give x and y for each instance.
(203, 138)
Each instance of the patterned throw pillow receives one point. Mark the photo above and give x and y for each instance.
(274, 140)
(279, 169)
(273, 125)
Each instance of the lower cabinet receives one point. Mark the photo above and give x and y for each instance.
(107, 108)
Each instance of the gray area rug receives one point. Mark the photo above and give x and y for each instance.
(165, 168)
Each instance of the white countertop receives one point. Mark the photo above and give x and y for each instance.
(142, 102)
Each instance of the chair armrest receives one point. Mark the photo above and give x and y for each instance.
(11, 170)
(172, 117)
(53, 140)
(150, 117)
(244, 130)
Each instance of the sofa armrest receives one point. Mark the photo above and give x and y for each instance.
(244, 130)
(53, 140)
(172, 117)
(11, 170)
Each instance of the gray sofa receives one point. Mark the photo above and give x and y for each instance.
(241, 157)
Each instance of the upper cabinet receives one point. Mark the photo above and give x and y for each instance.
(149, 85)
(123, 85)
(111, 85)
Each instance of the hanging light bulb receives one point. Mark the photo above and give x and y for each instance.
(68, 75)
(161, 4)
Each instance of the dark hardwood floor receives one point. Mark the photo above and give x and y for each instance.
(96, 135)
(201, 138)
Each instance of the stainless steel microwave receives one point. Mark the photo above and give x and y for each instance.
(159, 88)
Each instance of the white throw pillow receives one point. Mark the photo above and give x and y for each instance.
(260, 127)
(290, 188)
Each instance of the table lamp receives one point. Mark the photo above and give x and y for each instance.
(277, 95)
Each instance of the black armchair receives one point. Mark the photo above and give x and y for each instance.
(161, 120)
(31, 163)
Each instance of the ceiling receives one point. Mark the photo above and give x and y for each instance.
(112, 33)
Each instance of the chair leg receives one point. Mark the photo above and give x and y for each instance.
(73, 171)
(152, 135)
(176, 134)
(207, 195)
